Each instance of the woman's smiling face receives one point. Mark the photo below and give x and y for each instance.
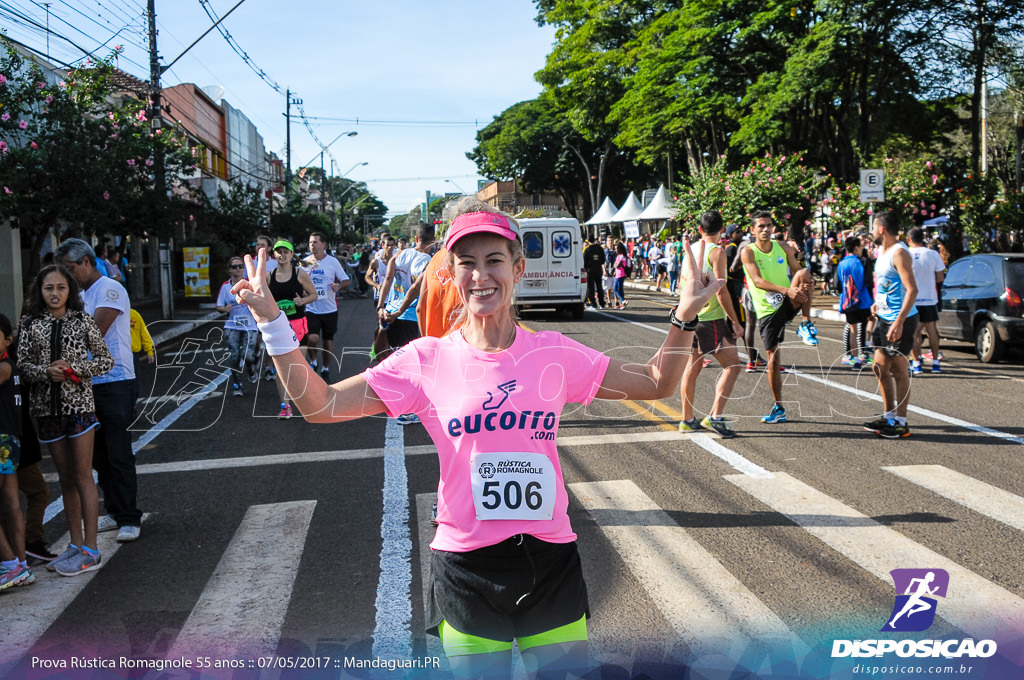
(485, 274)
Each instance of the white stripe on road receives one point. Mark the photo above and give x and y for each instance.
(704, 603)
(927, 413)
(983, 498)
(973, 604)
(57, 506)
(242, 608)
(392, 633)
(364, 454)
(168, 420)
(31, 610)
(735, 460)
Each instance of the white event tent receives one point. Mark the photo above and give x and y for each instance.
(658, 208)
(630, 210)
(604, 214)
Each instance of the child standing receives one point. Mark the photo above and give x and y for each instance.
(54, 349)
(14, 569)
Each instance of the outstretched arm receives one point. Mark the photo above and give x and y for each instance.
(660, 376)
(317, 401)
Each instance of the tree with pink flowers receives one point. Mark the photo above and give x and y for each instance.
(77, 158)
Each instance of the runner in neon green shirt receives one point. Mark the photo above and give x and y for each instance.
(777, 297)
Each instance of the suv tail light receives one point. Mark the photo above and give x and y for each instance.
(583, 280)
(1013, 301)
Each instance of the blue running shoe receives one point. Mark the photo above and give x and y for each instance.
(808, 333)
(778, 415)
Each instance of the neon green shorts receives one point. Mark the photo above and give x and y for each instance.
(456, 643)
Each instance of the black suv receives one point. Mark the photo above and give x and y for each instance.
(981, 303)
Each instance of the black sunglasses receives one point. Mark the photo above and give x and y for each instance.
(237, 266)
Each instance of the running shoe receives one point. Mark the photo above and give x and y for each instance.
(624, 303)
(325, 374)
(236, 389)
(778, 415)
(313, 365)
(808, 333)
(82, 563)
(707, 361)
(857, 365)
(252, 374)
(751, 367)
(692, 425)
(286, 412)
(407, 419)
(106, 523)
(721, 426)
(893, 430)
(916, 368)
(269, 374)
(847, 360)
(936, 368)
(12, 577)
(38, 551)
(761, 363)
(928, 355)
(875, 425)
(29, 580)
(128, 533)
(69, 553)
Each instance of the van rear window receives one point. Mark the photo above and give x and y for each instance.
(533, 245)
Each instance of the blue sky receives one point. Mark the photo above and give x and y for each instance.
(440, 70)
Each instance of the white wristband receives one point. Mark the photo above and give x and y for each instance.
(278, 335)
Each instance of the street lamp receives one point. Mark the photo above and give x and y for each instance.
(456, 186)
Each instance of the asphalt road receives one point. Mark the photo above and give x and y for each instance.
(269, 538)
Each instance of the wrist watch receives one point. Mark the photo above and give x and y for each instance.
(690, 325)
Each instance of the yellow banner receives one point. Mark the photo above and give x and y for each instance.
(197, 272)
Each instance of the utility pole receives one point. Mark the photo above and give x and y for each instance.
(289, 100)
(159, 177)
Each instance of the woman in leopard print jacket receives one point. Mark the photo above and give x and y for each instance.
(59, 349)
(73, 337)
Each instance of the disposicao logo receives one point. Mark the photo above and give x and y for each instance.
(914, 609)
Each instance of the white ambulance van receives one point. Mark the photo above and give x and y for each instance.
(555, 277)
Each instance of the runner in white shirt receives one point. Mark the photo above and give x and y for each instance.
(929, 271)
(328, 277)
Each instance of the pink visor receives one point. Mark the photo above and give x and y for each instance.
(480, 223)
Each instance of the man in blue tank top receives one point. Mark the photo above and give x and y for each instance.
(895, 293)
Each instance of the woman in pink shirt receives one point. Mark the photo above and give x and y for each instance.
(504, 564)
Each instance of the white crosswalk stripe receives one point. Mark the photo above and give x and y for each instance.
(973, 604)
(246, 600)
(707, 607)
(36, 607)
(983, 498)
(243, 606)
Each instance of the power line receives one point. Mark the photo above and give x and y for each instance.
(401, 123)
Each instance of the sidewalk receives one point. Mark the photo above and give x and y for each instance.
(823, 307)
(189, 314)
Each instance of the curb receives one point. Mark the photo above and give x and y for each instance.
(184, 327)
(816, 313)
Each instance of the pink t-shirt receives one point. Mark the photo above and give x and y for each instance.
(493, 418)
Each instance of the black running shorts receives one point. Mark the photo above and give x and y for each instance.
(522, 586)
(773, 327)
(900, 347)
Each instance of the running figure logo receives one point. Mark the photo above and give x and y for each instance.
(505, 389)
(914, 609)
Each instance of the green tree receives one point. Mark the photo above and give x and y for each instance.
(68, 153)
